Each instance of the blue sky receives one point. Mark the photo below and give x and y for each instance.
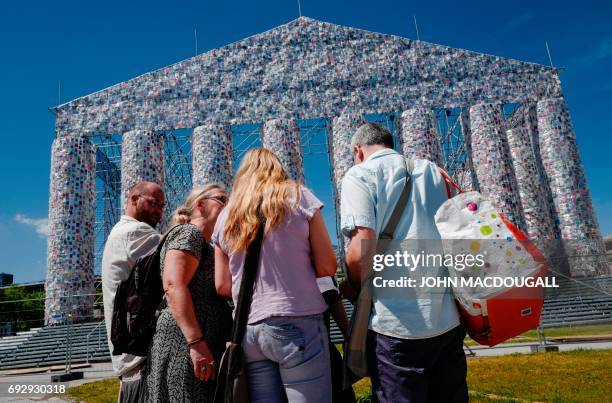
(91, 45)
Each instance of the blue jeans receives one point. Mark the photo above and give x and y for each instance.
(288, 360)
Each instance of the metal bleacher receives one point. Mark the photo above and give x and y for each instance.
(12, 342)
(575, 302)
(47, 347)
(578, 302)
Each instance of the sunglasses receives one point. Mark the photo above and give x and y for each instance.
(221, 198)
(153, 201)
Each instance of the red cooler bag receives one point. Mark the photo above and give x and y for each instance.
(469, 224)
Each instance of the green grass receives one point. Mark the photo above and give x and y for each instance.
(532, 335)
(575, 376)
(105, 391)
(586, 330)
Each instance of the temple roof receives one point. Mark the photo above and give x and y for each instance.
(309, 69)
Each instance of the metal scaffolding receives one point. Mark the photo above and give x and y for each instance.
(177, 171)
(314, 139)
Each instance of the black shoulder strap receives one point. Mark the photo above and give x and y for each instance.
(163, 238)
(249, 274)
(396, 215)
(153, 260)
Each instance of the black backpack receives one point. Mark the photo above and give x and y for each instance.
(138, 302)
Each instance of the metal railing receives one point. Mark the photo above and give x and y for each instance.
(97, 329)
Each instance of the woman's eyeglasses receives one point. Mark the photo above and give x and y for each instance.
(220, 198)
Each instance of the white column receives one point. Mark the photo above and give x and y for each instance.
(492, 161)
(419, 135)
(282, 136)
(531, 188)
(142, 159)
(70, 250)
(343, 128)
(212, 158)
(565, 173)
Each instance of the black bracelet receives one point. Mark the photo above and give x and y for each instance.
(196, 341)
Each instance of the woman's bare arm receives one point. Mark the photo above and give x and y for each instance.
(179, 268)
(322, 252)
(223, 276)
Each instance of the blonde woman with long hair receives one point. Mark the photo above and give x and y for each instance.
(192, 330)
(286, 339)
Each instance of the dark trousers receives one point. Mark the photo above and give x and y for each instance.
(418, 370)
(133, 386)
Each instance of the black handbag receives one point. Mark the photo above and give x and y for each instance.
(232, 382)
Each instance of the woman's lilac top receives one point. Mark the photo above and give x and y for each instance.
(286, 282)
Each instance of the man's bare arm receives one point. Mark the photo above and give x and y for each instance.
(360, 253)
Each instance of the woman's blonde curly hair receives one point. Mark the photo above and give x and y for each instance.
(261, 186)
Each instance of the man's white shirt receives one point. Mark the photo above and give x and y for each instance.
(370, 191)
(129, 240)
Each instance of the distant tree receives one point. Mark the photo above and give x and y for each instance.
(25, 309)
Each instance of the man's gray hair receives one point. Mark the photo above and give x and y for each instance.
(370, 134)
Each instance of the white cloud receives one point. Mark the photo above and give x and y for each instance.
(594, 54)
(604, 48)
(516, 22)
(41, 225)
